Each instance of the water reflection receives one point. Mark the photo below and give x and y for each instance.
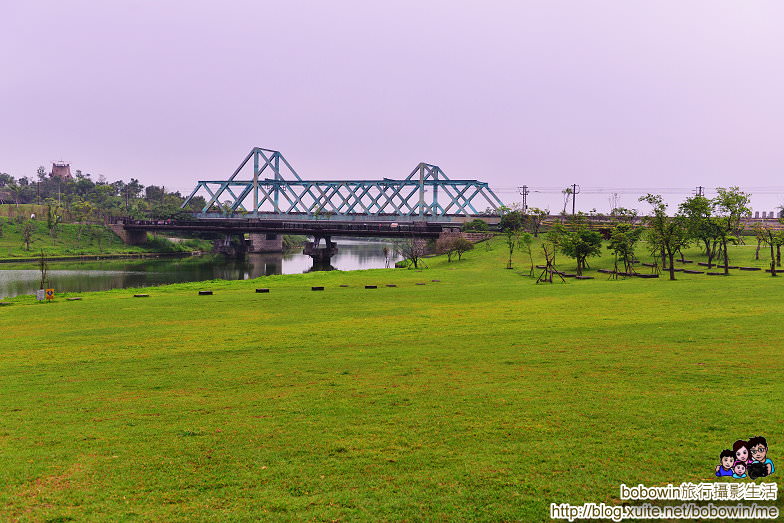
(112, 274)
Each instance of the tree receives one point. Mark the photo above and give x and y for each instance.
(772, 239)
(446, 245)
(134, 188)
(196, 204)
(623, 215)
(759, 234)
(526, 240)
(669, 233)
(701, 225)
(412, 249)
(82, 212)
(83, 185)
(104, 197)
(731, 205)
(462, 246)
(536, 217)
(511, 225)
(549, 249)
(226, 209)
(54, 215)
(579, 242)
(567, 194)
(138, 210)
(27, 233)
(154, 193)
(623, 239)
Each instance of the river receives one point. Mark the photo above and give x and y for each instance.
(84, 276)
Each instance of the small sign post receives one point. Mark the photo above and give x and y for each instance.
(40, 294)
(50, 294)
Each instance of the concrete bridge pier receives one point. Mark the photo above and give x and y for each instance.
(129, 237)
(266, 242)
(232, 245)
(320, 255)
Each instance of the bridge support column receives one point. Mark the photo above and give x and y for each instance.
(261, 242)
(321, 255)
(232, 246)
(129, 237)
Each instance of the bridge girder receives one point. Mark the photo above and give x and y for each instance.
(427, 191)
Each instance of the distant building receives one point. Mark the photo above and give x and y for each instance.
(61, 170)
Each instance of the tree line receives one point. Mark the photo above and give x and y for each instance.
(713, 224)
(82, 198)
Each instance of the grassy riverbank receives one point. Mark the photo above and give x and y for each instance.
(480, 396)
(75, 239)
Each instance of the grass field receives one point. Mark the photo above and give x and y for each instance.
(70, 241)
(481, 396)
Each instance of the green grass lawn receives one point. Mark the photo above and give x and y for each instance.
(73, 239)
(482, 396)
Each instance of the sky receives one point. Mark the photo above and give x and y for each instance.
(622, 96)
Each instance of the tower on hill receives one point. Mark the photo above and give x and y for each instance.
(61, 170)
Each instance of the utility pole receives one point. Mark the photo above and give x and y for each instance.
(575, 192)
(700, 191)
(524, 192)
(614, 199)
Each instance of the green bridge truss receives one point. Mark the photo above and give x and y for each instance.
(426, 192)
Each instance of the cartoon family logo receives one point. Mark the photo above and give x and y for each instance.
(746, 459)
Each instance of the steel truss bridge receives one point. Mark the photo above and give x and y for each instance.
(276, 190)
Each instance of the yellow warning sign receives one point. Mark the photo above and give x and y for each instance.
(49, 294)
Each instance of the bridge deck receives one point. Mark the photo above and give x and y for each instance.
(307, 228)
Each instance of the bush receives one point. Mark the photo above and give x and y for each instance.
(476, 225)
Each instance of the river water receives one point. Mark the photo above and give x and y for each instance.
(84, 276)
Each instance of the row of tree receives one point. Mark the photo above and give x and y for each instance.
(82, 198)
(714, 224)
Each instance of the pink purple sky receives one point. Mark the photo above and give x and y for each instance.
(605, 94)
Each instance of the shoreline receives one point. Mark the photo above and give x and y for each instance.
(95, 257)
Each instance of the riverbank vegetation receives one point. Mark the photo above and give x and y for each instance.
(292, 242)
(82, 197)
(464, 392)
(25, 238)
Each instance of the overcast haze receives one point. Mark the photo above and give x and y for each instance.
(603, 94)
